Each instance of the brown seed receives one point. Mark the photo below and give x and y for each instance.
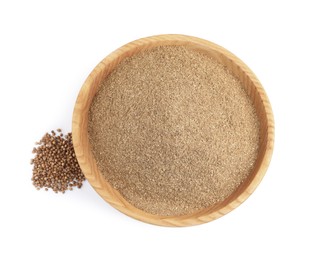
(52, 169)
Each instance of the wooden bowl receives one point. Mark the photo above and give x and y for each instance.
(239, 69)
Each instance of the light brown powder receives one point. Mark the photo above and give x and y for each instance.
(173, 131)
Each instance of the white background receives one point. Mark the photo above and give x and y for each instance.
(47, 49)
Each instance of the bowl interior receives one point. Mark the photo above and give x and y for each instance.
(236, 66)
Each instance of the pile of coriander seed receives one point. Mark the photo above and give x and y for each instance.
(55, 165)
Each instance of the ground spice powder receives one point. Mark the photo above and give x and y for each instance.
(173, 131)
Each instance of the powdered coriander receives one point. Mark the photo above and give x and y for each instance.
(173, 131)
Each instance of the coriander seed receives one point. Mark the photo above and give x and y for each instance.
(55, 165)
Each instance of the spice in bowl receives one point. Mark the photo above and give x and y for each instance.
(173, 131)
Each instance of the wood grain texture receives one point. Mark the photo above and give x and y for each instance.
(238, 68)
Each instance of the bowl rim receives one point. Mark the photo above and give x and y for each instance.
(88, 164)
